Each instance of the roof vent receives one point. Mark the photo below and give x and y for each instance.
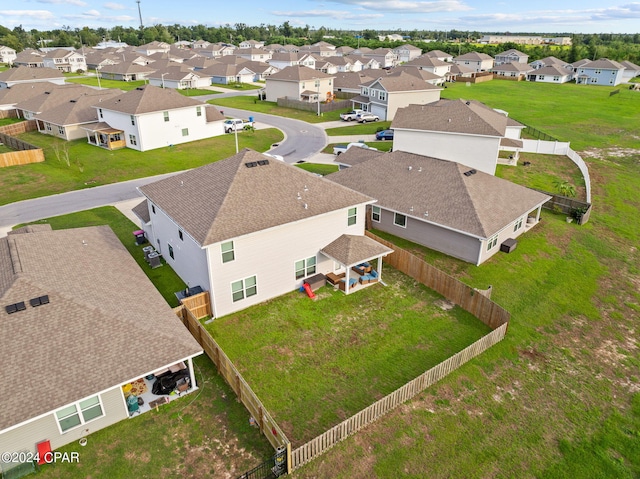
(263, 162)
(426, 214)
(35, 302)
(470, 172)
(306, 206)
(140, 88)
(251, 164)
(468, 103)
(410, 168)
(449, 120)
(12, 308)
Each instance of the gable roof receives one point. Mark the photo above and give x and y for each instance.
(512, 52)
(351, 80)
(479, 204)
(81, 341)
(77, 110)
(555, 70)
(353, 249)
(54, 96)
(513, 67)
(604, 64)
(226, 199)
(438, 54)
(452, 116)
(400, 82)
(297, 73)
(22, 73)
(474, 57)
(22, 92)
(426, 61)
(126, 68)
(148, 99)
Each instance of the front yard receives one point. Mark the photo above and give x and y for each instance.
(92, 166)
(316, 363)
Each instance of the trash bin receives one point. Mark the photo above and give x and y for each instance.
(251, 119)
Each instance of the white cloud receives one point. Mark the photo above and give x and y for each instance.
(334, 14)
(77, 3)
(114, 6)
(96, 16)
(405, 6)
(30, 14)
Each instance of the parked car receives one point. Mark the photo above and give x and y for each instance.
(366, 117)
(350, 115)
(384, 135)
(237, 124)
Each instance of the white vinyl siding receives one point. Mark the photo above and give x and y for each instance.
(79, 413)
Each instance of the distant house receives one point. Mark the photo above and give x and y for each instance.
(480, 62)
(431, 64)
(459, 73)
(511, 56)
(407, 52)
(631, 70)
(440, 55)
(385, 95)
(7, 55)
(550, 74)
(251, 44)
(550, 61)
(514, 69)
(253, 54)
(149, 117)
(444, 205)
(29, 58)
(345, 64)
(24, 75)
(64, 60)
(225, 74)
(299, 83)
(9, 97)
(179, 78)
(50, 98)
(349, 82)
(217, 50)
(290, 219)
(466, 132)
(600, 72)
(71, 304)
(153, 47)
(385, 57)
(126, 71)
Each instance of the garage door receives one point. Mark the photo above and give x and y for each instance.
(379, 110)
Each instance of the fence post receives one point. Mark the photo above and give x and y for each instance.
(288, 458)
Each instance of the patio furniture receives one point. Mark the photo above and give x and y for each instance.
(334, 278)
(362, 268)
(343, 282)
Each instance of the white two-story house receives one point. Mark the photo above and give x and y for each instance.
(149, 117)
(249, 228)
(64, 60)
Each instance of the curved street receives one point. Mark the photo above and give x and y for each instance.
(301, 141)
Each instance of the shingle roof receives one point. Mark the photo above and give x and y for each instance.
(452, 116)
(141, 210)
(630, 66)
(513, 67)
(351, 80)
(479, 204)
(147, 99)
(555, 70)
(22, 92)
(298, 73)
(54, 96)
(473, 56)
(460, 69)
(83, 341)
(403, 82)
(77, 110)
(126, 68)
(227, 199)
(426, 61)
(604, 63)
(355, 156)
(25, 73)
(512, 52)
(438, 54)
(352, 249)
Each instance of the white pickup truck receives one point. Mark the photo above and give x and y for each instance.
(338, 149)
(237, 124)
(350, 115)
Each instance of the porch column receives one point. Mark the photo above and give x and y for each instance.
(347, 279)
(538, 213)
(192, 375)
(379, 268)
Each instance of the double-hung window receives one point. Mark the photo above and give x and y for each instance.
(352, 216)
(375, 214)
(492, 242)
(227, 252)
(305, 267)
(244, 288)
(79, 413)
(400, 220)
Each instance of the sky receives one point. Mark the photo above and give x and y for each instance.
(549, 16)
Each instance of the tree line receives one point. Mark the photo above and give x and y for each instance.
(455, 42)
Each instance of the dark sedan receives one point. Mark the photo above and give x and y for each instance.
(384, 135)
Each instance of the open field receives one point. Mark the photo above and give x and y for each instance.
(584, 114)
(559, 396)
(315, 363)
(252, 103)
(92, 166)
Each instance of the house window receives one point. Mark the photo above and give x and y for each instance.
(400, 220)
(61, 130)
(79, 413)
(382, 95)
(352, 216)
(153, 209)
(518, 224)
(166, 115)
(365, 91)
(198, 111)
(375, 214)
(227, 252)
(556, 78)
(244, 288)
(594, 80)
(48, 126)
(180, 235)
(132, 139)
(305, 267)
(171, 251)
(540, 77)
(597, 72)
(100, 112)
(133, 119)
(611, 81)
(492, 242)
(185, 132)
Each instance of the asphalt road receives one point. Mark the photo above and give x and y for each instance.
(301, 141)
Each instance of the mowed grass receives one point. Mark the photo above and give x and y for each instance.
(252, 103)
(355, 128)
(585, 115)
(316, 363)
(204, 434)
(318, 168)
(92, 166)
(105, 83)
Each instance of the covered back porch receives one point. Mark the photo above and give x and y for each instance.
(102, 135)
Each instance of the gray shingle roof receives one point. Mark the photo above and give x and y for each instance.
(426, 61)
(22, 92)
(78, 110)
(452, 116)
(54, 96)
(141, 210)
(479, 204)
(351, 249)
(473, 56)
(25, 73)
(403, 82)
(513, 67)
(87, 339)
(147, 99)
(298, 73)
(554, 70)
(604, 64)
(226, 199)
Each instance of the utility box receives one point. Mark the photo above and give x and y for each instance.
(509, 245)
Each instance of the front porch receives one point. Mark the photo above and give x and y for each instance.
(102, 135)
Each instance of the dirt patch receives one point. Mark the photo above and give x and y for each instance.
(603, 153)
(444, 304)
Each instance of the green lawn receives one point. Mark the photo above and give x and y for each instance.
(204, 434)
(319, 168)
(252, 103)
(316, 363)
(197, 92)
(92, 166)
(354, 128)
(584, 114)
(9, 121)
(242, 86)
(4, 149)
(104, 83)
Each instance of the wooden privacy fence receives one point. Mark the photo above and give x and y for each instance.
(243, 391)
(199, 304)
(454, 290)
(567, 206)
(325, 441)
(19, 128)
(24, 153)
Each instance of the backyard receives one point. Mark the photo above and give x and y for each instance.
(92, 166)
(316, 363)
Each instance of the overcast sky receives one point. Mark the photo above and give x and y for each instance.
(573, 16)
